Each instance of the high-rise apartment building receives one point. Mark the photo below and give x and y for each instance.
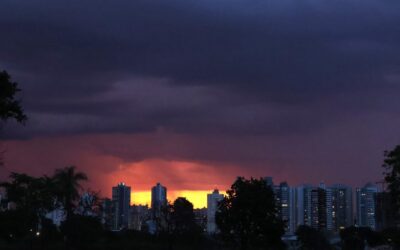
(311, 206)
(324, 208)
(121, 200)
(285, 199)
(158, 199)
(339, 207)
(366, 205)
(318, 208)
(302, 203)
(212, 207)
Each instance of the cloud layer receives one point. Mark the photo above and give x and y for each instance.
(254, 87)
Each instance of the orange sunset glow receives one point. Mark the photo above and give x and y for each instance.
(197, 197)
(182, 178)
(190, 180)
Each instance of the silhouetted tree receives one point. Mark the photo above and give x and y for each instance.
(392, 177)
(32, 199)
(392, 237)
(9, 106)
(248, 216)
(27, 192)
(354, 238)
(183, 217)
(162, 220)
(49, 231)
(16, 225)
(25, 221)
(311, 239)
(179, 222)
(67, 187)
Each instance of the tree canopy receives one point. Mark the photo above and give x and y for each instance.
(392, 177)
(248, 216)
(183, 216)
(356, 238)
(311, 239)
(68, 185)
(10, 107)
(31, 198)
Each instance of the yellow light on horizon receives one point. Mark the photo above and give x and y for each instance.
(141, 198)
(197, 197)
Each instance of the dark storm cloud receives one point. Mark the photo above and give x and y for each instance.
(247, 67)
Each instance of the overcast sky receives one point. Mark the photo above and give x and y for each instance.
(193, 93)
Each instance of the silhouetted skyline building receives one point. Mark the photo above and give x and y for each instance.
(121, 200)
(318, 208)
(339, 200)
(311, 206)
(366, 205)
(285, 201)
(158, 198)
(303, 201)
(212, 207)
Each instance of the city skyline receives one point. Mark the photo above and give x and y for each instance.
(322, 207)
(200, 200)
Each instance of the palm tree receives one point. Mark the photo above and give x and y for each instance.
(68, 185)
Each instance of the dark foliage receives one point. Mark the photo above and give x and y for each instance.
(68, 186)
(311, 239)
(30, 193)
(82, 231)
(25, 226)
(356, 237)
(392, 237)
(176, 223)
(31, 198)
(183, 217)
(49, 232)
(392, 177)
(247, 217)
(10, 108)
(17, 225)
